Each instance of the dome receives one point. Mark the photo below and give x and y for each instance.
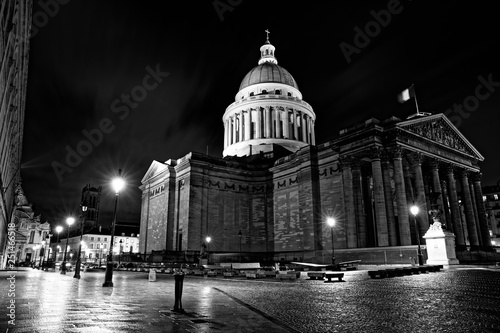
(268, 72)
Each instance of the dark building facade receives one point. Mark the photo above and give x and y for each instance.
(276, 186)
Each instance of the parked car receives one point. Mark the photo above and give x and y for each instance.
(69, 266)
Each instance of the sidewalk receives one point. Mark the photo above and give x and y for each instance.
(51, 302)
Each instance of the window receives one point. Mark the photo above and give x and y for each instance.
(278, 92)
(98, 239)
(32, 235)
(289, 94)
(251, 94)
(104, 246)
(98, 246)
(105, 239)
(495, 196)
(90, 255)
(91, 245)
(484, 198)
(91, 239)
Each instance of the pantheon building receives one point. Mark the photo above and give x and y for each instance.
(274, 188)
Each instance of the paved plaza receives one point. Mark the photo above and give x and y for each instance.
(459, 299)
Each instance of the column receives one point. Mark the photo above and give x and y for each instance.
(359, 212)
(454, 208)
(240, 126)
(446, 207)
(258, 124)
(345, 163)
(303, 126)
(389, 203)
(286, 124)
(436, 186)
(401, 202)
(313, 135)
(422, 217)
(225, 132)
(248, 124)
(483, 223)
(474, 209)
(295, 127)
(371, 233)
(379, 198)
(469, 211)
(278, 123)
(234, 129)
(267, 122)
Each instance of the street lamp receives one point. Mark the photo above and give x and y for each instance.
(414, 211)
(69, 222)
(58, 230)
(331, 222)
(118, 184)
(78, 260)
(208, 239)
(239, 235)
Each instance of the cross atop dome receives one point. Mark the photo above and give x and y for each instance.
(267, 51)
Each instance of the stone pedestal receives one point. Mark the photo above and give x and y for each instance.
(440, 246)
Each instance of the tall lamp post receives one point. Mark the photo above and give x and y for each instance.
(69, 222)
(58, 230)
(118, 184)
(78, 259)
(331, 222)
(45, 251)
(239, 235)
(414, 211)
(121, 249)
(208, 239)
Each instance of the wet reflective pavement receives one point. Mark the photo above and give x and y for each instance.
(460, 299)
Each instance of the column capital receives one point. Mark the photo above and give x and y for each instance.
(375, 153)
(434, 164)
(416, 158)
(345, 162)
(395, 152)
(476, 176)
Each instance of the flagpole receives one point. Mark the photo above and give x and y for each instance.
(415, 97)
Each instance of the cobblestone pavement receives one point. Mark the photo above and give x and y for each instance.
(460, 299)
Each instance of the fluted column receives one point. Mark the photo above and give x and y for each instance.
(455, 208)
(225, 133)
(240, 126)
(474, 209)
(446, 221)
(267, 122)
(402, 203)
(235, 123)
(247, 126)
(258, 124)
(469, 211)
(359, 211)
(313, 134)
(345, 164)
(379, 198)
(295, 126)
(483, 223)
(279, 129)
(389, 203)
(303, 125)
(286, 124)
(436, 187)
(421, 199)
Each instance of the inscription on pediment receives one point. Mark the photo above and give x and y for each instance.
(440, 132)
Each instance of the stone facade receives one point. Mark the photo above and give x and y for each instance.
(278, 188)
(15, 23)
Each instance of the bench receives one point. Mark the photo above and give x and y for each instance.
(316, 275)
(349, 265)
(285, 276)
(378, 274)
(331, 276)
(228, 274)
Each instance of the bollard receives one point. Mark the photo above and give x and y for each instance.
(152, 275)
(179, 281)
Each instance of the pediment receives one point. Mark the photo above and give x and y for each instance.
(440, 130)
(154, 169)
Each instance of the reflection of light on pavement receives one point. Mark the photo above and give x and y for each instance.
(53, 302)
(206, 305)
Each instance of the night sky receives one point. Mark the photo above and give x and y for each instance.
(88, 56)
